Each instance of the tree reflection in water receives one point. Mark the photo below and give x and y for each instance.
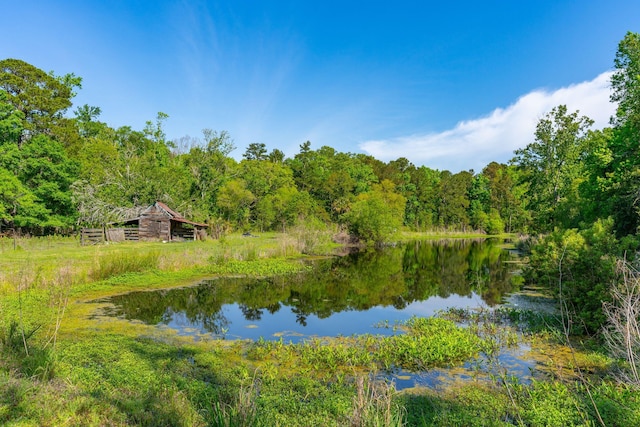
(394, 277)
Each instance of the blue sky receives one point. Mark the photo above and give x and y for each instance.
(449, 85)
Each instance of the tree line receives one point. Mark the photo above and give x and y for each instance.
(61, 169)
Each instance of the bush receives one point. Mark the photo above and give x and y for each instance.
(495, 224)
(579, 266)
(377, 215)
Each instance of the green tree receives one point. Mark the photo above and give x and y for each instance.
(579, 266)
(495, 224)
(332, 178)
(617, 164)
(597, 191)
(453, 199)
(18, 205)
(42, 98)
(256, 151)
(424, 203)
(10, 120)
(235, 200)
(37, 194)
(283, 208)
(552, 166)
(209, 166)
(46, 169)
(401, 172)
(377, 214)
(625, 81)
(506, 195)
(479, 202)
(86, 118)
(276, 156)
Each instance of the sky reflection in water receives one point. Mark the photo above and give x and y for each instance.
(342, 296)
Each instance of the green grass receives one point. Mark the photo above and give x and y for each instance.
(75, 370)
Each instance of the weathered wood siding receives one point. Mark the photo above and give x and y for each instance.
(180, 232)
(131, 234)
(154, 225)
(121, 234)
(158, 222)
(91, 236)
(115, 234)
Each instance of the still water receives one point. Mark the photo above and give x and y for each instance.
(345, 295)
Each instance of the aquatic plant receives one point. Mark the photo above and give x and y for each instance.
(427, 343)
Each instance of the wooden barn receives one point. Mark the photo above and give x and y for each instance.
(160, 222)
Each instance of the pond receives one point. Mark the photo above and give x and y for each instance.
(346, 295)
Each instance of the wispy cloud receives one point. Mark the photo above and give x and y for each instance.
(475, 143)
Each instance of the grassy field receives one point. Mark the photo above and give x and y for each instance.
(59, 366)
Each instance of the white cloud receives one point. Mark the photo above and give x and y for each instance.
(475, 143)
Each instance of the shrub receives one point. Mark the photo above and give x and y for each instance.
(495, 224)
(579, 266)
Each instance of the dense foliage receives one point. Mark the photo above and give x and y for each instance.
(60, 171)
(575, 186)
(584, 193)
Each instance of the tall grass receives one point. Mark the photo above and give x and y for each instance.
(373, 405)
(622, 332)
(36, 263)
(243, 413)
(311, 237)
(118, 263)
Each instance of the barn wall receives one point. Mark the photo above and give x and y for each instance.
(154, 225)
(181, 232)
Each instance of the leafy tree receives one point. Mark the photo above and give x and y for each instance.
(256, 151)
(283, 208)
(479, 198)
(276, 156)
(333, 179)
(18, 205)
(49, 173)
(625, 81)
(400, 172)
(423, 204)
(506, 195)
(10, 120)
(454, 200)
(235, 200)
(377, 214)
(495, 224)
(597, 193)
(87, 122)
(616, 165)
(41, 98)
(579, 267)
(552, 166)
(271, 184)
(265, 178)
(209, 167)
(37, 194)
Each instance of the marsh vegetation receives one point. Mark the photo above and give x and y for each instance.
(65, 361)
(79, 347)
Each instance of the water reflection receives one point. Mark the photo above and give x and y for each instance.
(341, 296)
